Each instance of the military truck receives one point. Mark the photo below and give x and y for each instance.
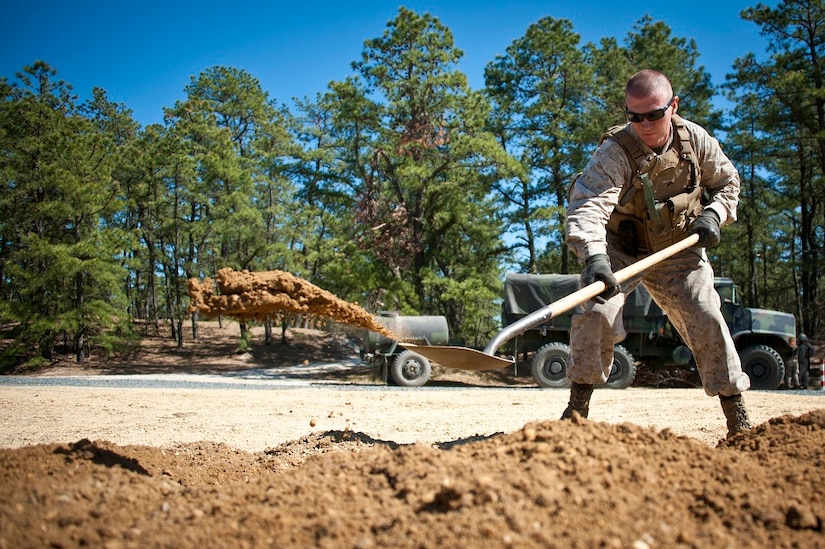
(765, 339)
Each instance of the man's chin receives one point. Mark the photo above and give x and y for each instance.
(652, 141)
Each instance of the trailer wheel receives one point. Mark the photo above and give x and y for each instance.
(623, 370)
(549, 365)
(410, 369)
(764, 366)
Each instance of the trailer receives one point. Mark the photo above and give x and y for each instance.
(395, 363)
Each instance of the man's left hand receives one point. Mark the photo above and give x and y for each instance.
(707, 227)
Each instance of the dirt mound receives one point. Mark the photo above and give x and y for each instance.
(551, 484)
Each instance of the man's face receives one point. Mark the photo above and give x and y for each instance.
(653, 133)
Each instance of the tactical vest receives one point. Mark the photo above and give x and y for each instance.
(664, 196)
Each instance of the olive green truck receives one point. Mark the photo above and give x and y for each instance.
(765, 340)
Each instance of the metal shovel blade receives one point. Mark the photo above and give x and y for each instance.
(464, 358)
(460, 358)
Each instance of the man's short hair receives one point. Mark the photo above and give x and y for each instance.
(648, 82)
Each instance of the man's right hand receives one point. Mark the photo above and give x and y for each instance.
(597, 267)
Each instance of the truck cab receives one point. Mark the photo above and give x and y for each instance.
(765, 339)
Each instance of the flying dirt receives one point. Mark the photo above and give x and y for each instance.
(249, 295)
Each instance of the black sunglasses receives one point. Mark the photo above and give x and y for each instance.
(652, 115)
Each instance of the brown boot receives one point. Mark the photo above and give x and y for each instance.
(579, 400)
(737, 416)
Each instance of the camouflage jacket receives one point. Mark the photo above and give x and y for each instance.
(595, 193)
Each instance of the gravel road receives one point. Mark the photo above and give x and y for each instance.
(252, 414)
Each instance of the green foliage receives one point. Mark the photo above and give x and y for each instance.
(398, 188)
(245, 340)
(781, 133)
(420, 164)
(60, 274)
(540, 88)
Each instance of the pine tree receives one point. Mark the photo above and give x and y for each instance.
(61, 266)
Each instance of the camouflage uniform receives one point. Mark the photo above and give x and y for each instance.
(792, 374)
(682, 285)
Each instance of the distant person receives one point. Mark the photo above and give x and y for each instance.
(804, 353)
(792, 373)
(650, 183)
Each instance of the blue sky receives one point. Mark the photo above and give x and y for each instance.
(144, 55)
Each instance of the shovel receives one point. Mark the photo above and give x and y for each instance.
(465, 358)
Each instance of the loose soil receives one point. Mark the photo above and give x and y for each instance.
(249, 295)
(333, 457)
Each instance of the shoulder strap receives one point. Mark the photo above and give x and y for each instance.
(633, 151)
(631, 147)
(686, 150)
(682, 135)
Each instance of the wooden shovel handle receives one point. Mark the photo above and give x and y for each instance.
(579, 297)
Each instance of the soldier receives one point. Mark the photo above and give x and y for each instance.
(792, 374)
(804, 353)
(650, 183)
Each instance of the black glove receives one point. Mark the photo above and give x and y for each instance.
(597, 267)
(707, 227)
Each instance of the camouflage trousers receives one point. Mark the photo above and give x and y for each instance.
(791, 374)
(683, 287)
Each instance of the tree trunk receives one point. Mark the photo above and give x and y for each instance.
(179, 324)
(196, 336)
(80, 345)
(268, 331)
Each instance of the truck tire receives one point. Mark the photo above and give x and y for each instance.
(410, 369)
(549, 365)
(623, 370)
(764, 366)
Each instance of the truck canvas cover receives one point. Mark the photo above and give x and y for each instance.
(525, 293)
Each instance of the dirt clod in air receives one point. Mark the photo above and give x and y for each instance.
(249, 295)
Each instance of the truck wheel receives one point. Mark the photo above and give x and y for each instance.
(764, 366)
(410, 369)
(549, 366)
(623, 370)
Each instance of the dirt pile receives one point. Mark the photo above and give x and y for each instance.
(249, 295)
(550, 484)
